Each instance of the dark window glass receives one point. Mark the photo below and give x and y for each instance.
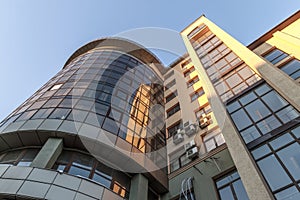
(18, 157)
(230, 187)
(171, 96)
(275, 56)
(173, 129)
(60, 113)
(173, 110)
(197, 94)
(264, 109)
(81, 164)
(171, 73)
(170, 84)
(280, 156)
(292, 69)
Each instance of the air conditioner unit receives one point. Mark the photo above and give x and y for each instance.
(190, 130)
(204, 121)
(180, 131)
(192, 153)
(187, 123)
(189, 145)
(177, 138)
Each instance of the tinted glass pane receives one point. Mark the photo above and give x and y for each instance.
(257, 110)
(247, 98)
(268, 124)
(296, 132)
(291, 159)
(269, 167)
(240, 119)
(261, 151)
(60, 113)
(287, 114)
(226, 194)
(233, 106)
(262, 89)
(274, 101)
(288, 194)
(296, 75)
(291, 67)
(77, 171)
(240, 190)
(281, 141)
(250, 134)
(103, 181)
(227, 179)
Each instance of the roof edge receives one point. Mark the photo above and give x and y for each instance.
(278, 27)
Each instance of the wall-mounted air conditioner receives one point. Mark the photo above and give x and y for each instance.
(178, 138)
(204, 121)
(192, 153)
(189, 145)
(189, 128)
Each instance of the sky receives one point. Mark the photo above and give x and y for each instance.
(38, 36)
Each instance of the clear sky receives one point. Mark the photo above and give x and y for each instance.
(38, 36)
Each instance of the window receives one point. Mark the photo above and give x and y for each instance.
(275, 56)
(230, 187)
(235, 82)
(281, 156)
(206, 110)
(173, 110)
(189, 71)
(171, 96)
(292, 69)
(172, 130)
(56, 87)
(186, 63)
(81, 164)
(213, 141)
(18, 157)
(171, 73)
(260, 111)
(192, 81)
(197, 94)
(170, 84)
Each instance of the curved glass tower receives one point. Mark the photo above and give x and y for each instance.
(94, 131)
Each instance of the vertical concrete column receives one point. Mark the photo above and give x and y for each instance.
(48, 154)
(138, 188)
(253, 181)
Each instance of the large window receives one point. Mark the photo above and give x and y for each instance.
(279, 162)
(170, 84)
(197, 94)
(81, 164)
(171, 96)
(22, 157)
(213, 140)
(260, 111)
(189, 71)
(173, 110)
(172, 130)
(275, 56)
(230, 187)
(192, 81)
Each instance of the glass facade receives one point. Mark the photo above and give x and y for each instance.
(260, 111)
(279, 162)
(106, 89)
(228, 73)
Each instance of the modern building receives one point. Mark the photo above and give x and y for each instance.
(221, 122)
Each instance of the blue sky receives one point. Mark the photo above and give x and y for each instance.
(38, 36)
